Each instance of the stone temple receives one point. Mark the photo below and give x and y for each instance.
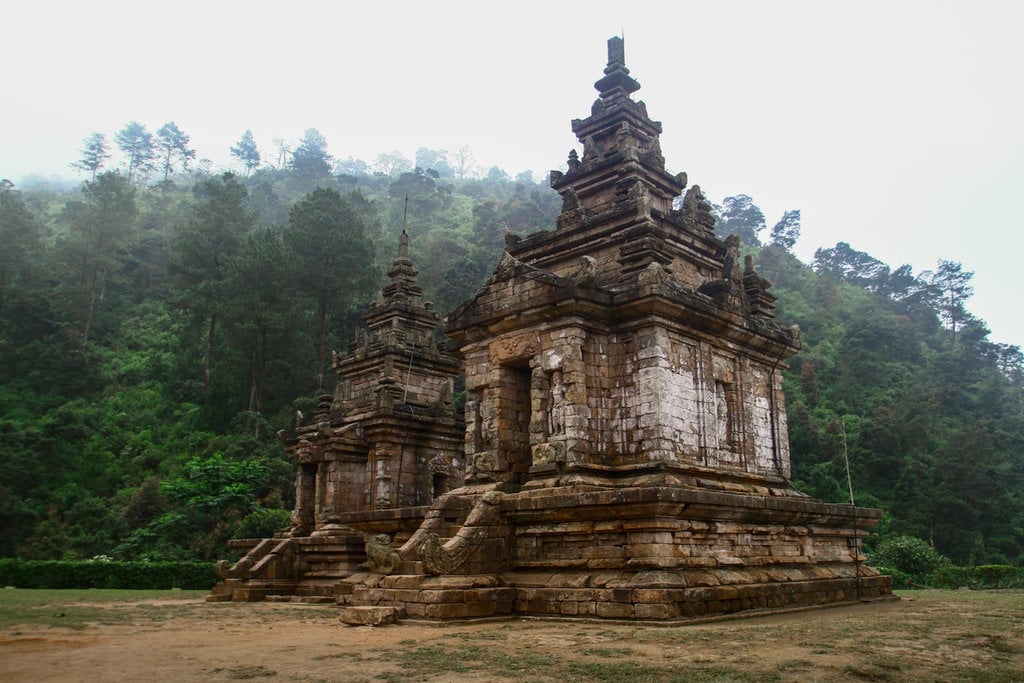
(623, 452)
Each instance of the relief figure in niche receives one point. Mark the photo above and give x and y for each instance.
(480, 461)
(722, 413)
(556, 406)
(486, 424)
(473, 418)
(383, 492)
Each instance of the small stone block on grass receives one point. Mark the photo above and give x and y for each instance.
(368, 616)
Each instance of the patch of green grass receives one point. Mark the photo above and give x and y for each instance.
(519, 665)
(77, 609)
(676, 635)
(354, 656)
(795, 664)
(869, 672)
(487, 635)
(1002, 673)
(244, 673)
(886, 662)
(608, 651)
(629, 672)
(431, 660)
(999, 644)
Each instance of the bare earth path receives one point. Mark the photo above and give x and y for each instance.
(929, 635)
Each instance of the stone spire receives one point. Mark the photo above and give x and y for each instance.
(403, 288)
(617, 197)
(617, 83)
(399, 317)
(399, 333)
(621, 147)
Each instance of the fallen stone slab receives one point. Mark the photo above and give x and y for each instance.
(369, 616)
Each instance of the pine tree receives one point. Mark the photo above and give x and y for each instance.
(334, 259)
(247, 152)
(202, 253)
(172, 143)
(100, 227)
(136, 143)
(94, 154)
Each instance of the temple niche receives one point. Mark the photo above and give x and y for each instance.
(624, 453)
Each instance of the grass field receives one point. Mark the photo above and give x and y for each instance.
(78, 609)
(133, 635)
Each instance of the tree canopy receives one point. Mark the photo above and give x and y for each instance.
(137, 146)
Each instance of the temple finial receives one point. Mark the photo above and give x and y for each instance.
(617, 82)
(403, 246)
(616, 55)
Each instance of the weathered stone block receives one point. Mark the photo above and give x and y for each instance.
(446, 611)
(656, 611)
(614, 610)
(368, 616)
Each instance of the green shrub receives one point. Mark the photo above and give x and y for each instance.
(900, 580)
(951, 577)
(106, 574)
(262, 523)
(992, 574)
(907, 554)
(948, 576)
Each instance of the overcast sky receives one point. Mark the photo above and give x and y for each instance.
(894, 126)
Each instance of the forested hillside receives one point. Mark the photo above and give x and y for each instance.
(159, 324)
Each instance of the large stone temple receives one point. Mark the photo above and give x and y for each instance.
(623, 452)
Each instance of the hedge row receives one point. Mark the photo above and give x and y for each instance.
(113, 574)
(981, 576)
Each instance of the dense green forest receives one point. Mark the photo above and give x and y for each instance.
(160, 323)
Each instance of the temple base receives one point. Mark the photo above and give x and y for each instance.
(650, 553)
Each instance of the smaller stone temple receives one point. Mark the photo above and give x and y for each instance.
(624, 452)
(384, 446)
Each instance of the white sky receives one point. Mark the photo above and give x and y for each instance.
(896, 126)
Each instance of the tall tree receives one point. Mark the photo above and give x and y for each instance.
(284, 152)
(311, 159)
(953, 287)
(392, 163)
(100, 227)
(136, 143)
(21, 237)
(843, 262)
(202, 252)
(740, 216)
(1011, 364)
(461, 160)
(246, 152)
(352, 166)
(335, 259)
(786, 232)
(434, 159)
(172, 145)
(261, 305)
(94, 154)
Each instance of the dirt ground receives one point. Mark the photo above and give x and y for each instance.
(928, 635)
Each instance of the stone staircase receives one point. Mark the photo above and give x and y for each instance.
(465, 540)
(296, 569)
